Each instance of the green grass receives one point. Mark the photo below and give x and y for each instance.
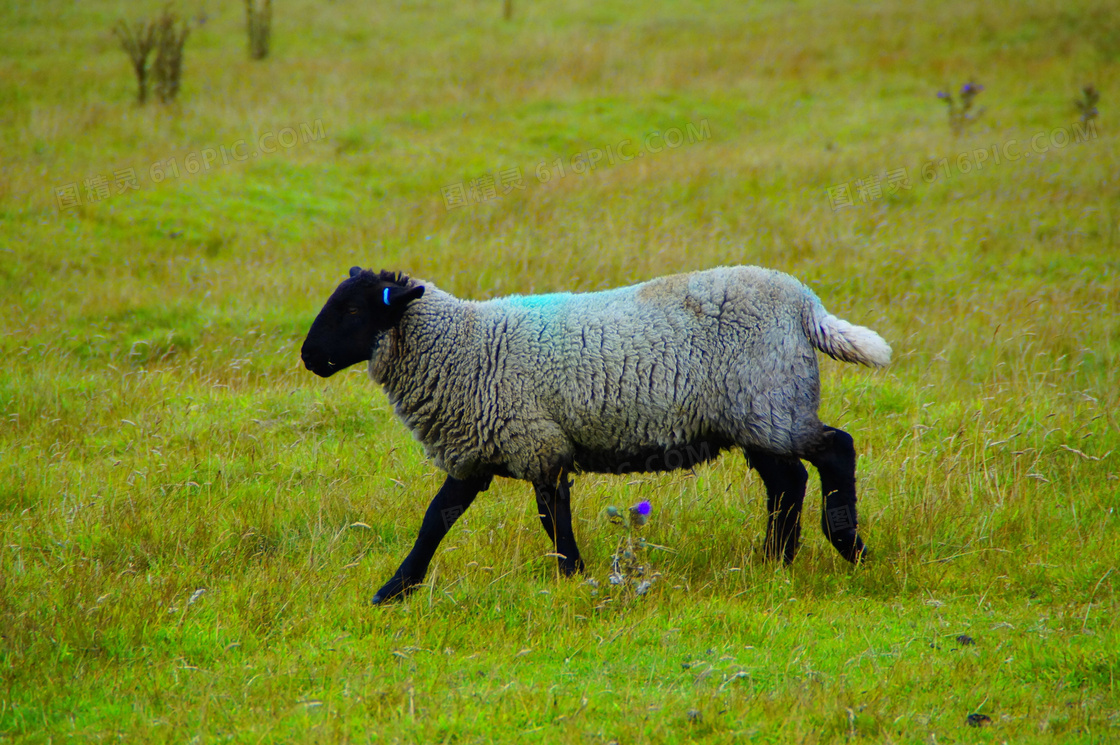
(192, 525)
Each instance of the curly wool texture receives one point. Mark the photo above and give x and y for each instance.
(523, 386)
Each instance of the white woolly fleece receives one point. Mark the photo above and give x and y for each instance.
(522, 386)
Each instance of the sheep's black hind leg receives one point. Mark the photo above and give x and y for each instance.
(452, 500)
(835, 459)
(785, 479)
(554, 506)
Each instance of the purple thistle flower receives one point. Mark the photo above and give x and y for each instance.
(942, 95)
(639, 513)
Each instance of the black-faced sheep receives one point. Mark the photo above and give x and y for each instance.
(650, 377)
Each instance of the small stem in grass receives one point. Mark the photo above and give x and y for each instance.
(259, 24)
(1092, 595)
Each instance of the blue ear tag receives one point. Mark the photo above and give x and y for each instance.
(385, 298)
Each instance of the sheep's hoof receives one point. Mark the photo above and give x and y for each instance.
(571, 568)
(395, 589)
(861, 555)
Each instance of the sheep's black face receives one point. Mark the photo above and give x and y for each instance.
(363, 306)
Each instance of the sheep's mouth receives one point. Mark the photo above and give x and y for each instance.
(322, 369)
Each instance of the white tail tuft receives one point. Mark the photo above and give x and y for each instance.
(843, 341)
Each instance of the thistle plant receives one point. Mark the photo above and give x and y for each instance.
(630, 568)
(961, 114)
(1087, 105)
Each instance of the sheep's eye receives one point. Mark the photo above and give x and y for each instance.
(352, 310)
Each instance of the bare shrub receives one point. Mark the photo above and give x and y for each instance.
(166, 35)
(171, 35)
(137, 41)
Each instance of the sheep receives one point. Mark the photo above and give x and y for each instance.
(651, 377)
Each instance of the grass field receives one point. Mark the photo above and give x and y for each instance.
(192, 524)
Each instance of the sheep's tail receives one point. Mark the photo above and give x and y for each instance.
(843, 341)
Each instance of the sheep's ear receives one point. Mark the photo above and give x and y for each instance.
(355, 271)
(399, 297)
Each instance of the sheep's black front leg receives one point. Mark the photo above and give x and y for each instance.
(554, 505)
(452, 500)
(835, 459)
(785, 479)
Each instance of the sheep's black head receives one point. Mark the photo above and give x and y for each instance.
(364, 306)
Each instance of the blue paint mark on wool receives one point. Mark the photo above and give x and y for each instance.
(539, 302)
(556, 300)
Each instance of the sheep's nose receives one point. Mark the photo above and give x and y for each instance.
(317, 363)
